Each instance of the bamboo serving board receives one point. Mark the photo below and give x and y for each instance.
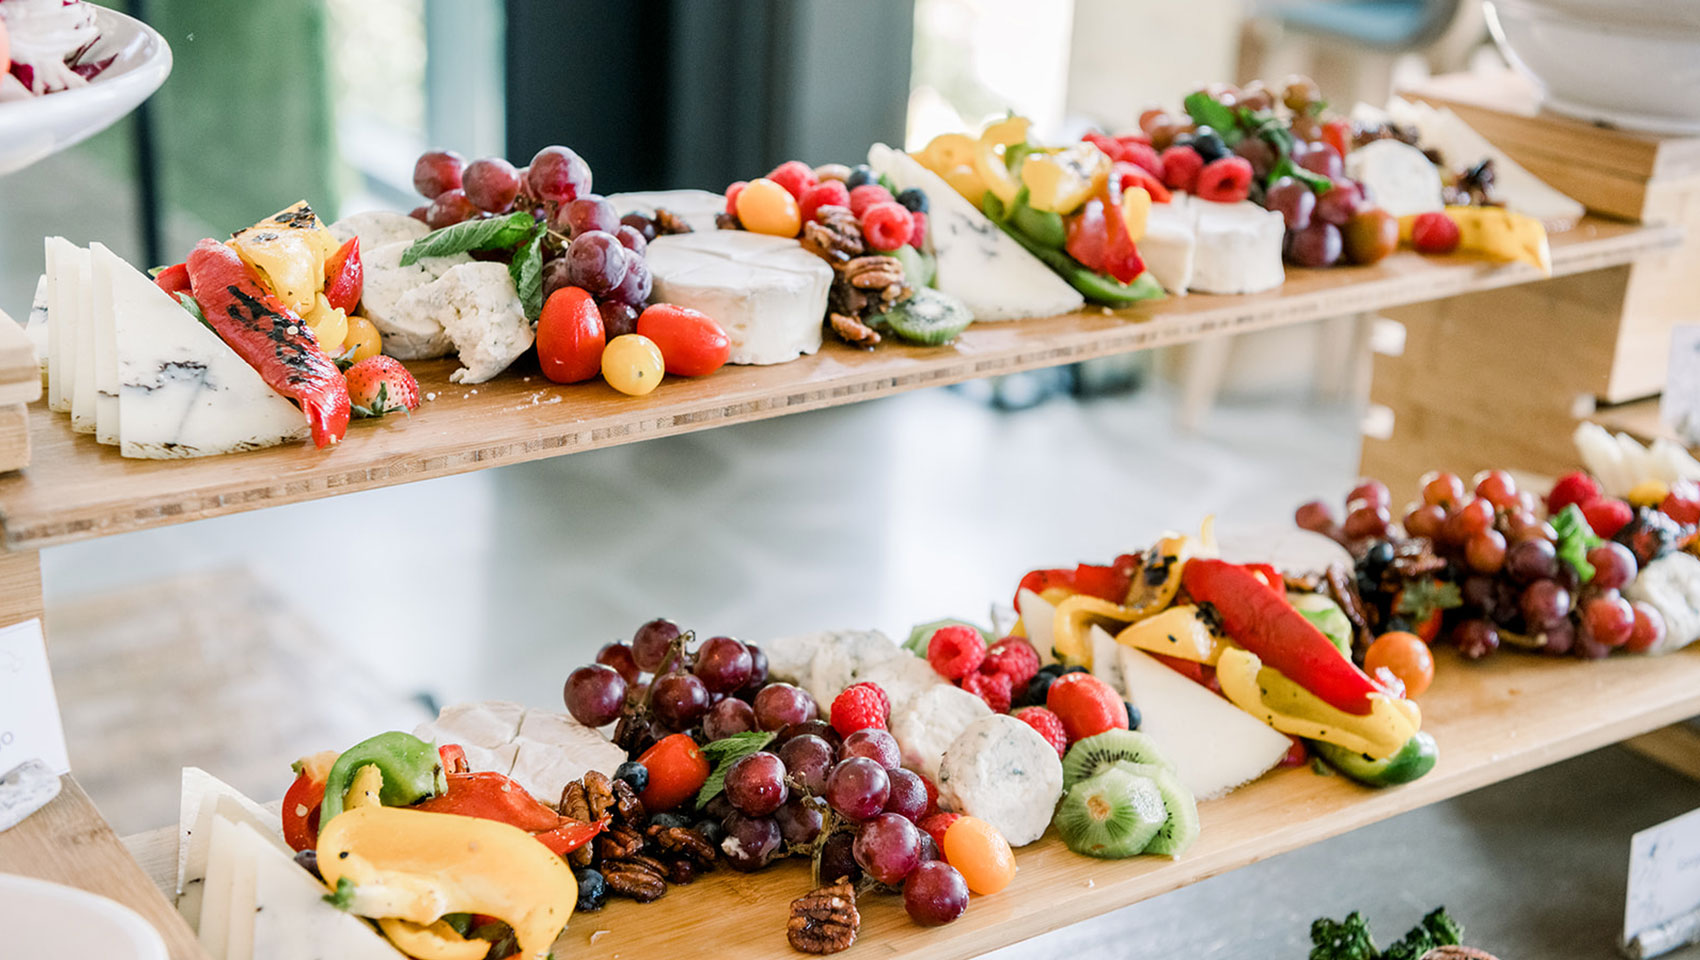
(76, 489)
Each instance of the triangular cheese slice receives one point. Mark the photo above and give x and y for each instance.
(978, 263)
(102, 265)
(83, 385)
(286, 917)
(61, 323)
(182, 392)
(206, 798)
(212, 926)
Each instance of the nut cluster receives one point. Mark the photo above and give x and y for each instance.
(637, 858)
(825, 920)
(862, 285)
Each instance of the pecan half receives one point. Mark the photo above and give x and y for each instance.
(576, 805)
(1458, 953)
(824, 921)
(727, 221)
(853, 331)
(668, 223)
(599, 790)
(639, 881)
(684, 840)
(627, 804)
(618, 842)
(873, 273)
(835, 235)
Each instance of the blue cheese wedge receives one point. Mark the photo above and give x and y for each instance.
(479, 310)
(696, 208)
(1239, 248)
(81, 302)
(182, 392)
(1002, 771)
(767, 293)
(103, 264)
(845, 660)
(36, 327)
(412, 333)
(978, 263)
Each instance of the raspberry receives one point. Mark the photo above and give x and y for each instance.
(935, 826)
(1227, 180)
(795, 176)
(1013, 657)
(1048, 725)
(918, 229)
(1577, 488)
(732, 196)
(1142, 155)
(1607, 516)
(1434, 232)
(1180, 168)
(829, 193)
(866, 195)
(860, 707)
(994, 688)
(886, 226)
(956, 651)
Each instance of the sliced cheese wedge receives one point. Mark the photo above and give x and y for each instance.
(182, 392)
(212, 925)
(978, 263)
(60, 333)
(83, 392)
(204, 799)
(103, 264)
(291, 920)
(1214, 745)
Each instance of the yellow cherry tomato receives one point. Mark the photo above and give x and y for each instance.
(1136, 212)
(980, 853)
(632, 364)
(362, 338)
(766, 207)
(1406, 656)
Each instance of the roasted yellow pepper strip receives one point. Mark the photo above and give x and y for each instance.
(1060, 182)
(1495, 233)
(989, 157)
(439, 941)
(1176, 632)
(416, 866)
(1268, 695)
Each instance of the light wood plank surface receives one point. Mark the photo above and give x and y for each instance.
(76, 489)
(68, 842)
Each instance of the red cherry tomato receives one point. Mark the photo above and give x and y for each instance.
(570, 337)
(1338, 134)
(300, 812)
(677, 770)
(692, 344)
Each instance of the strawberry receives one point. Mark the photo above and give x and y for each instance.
(380, 385)
(1607, 515)
(1577, 488)
(861, 706)
(994, 688)
(956, 651)
(1086, 705)
(1048, 724)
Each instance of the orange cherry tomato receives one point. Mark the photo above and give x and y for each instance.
(692, 343)
(1406, 656)
(677, 770)
(570, 336)
(980, 853)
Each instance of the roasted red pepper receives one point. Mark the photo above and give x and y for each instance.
(1121, 257)
(173, 279)
(1104, 582)
(454, 758)
(270, 336)
(345, 278)
(303, 799)
(1260, 620)
(491, 796)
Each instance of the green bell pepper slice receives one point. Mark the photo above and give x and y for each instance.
(411, 768)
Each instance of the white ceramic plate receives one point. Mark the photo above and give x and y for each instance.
(42, 126)
(42, 919)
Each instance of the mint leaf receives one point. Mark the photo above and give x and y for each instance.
(1285, 167)
(343, 897)
(1575, 539)
(527, 272)
(493, 233)
(725, 752)
(194, 307)
(1206, 110)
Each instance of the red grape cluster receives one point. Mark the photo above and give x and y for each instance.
(1489, 561)
(589, 245)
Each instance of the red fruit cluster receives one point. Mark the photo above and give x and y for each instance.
(1606, 515)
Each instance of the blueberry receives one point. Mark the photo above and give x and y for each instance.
(1133, 716)
(860, 175)
(699, 736)
(1208, 144)
(1038, 689)
(1052, 670)
(1378, 558)
(667, 820)
(1077, 670)
(711, 830)
(913, 200)
(1399, 624)
(592, 889)
(635, 774)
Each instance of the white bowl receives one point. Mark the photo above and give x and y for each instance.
(42, 126)
(1631, 64)
(42, 919)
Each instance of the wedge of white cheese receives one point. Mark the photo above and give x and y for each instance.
(696, 207)
(204, 799)
(36, 326)
(1239, 248)
(1171, 243)
(61, 335)
(767, 293)
(409, 334)
(103, 265)
(978, 263)
(1398, 177)
(479, 310)
(542, 750)
(81, 300)
(182, 392)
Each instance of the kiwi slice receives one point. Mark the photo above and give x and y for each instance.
(1112, 815)
(1181, 828)
(1098, 753)
(927, 317)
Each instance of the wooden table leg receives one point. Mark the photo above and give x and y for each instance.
(1676, 747)
(68, 841)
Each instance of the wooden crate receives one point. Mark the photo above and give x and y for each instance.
(1631, 176)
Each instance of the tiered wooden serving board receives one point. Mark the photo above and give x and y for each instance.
(1493, 720)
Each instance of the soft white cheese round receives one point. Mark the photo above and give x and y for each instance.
(1002, 771)
(927, 725)
(1399, 178)
(767, 293)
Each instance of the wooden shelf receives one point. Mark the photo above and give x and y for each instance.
(76, 489)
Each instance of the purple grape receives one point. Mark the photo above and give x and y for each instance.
(858, 788)
(818, 728)
(1337, 205)
(877, 745)
(756, 784)
(596, 262)
(449, 208)
(800, 820)
(1544, 603)
(837, 860)
(1321, 158)
(1614, 565)
(558, 175)
(637, 284)
(679, 700)
(751, 842)
(758, 660)
(888, 847)
(1318, 245)
(594, 694)
(809, 759)
(1293, 200)
(619, 656)
(491, 183)
(908, 798)
(1560, 638)
(935, 894)
(632, 239)
(1476, 639)
(779, 704)
(723, 664)
(437, 171)
(642, 224)
(618, 318)
(728, 717)
(929, 849)
(651, 641)
(587, 213)
(556, 274)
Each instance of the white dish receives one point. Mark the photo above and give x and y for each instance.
(39, 127)
(42, 919)
(1630, 64)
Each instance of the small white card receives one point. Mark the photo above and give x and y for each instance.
(29, 712)
(1664, 874)
(1679, 408)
